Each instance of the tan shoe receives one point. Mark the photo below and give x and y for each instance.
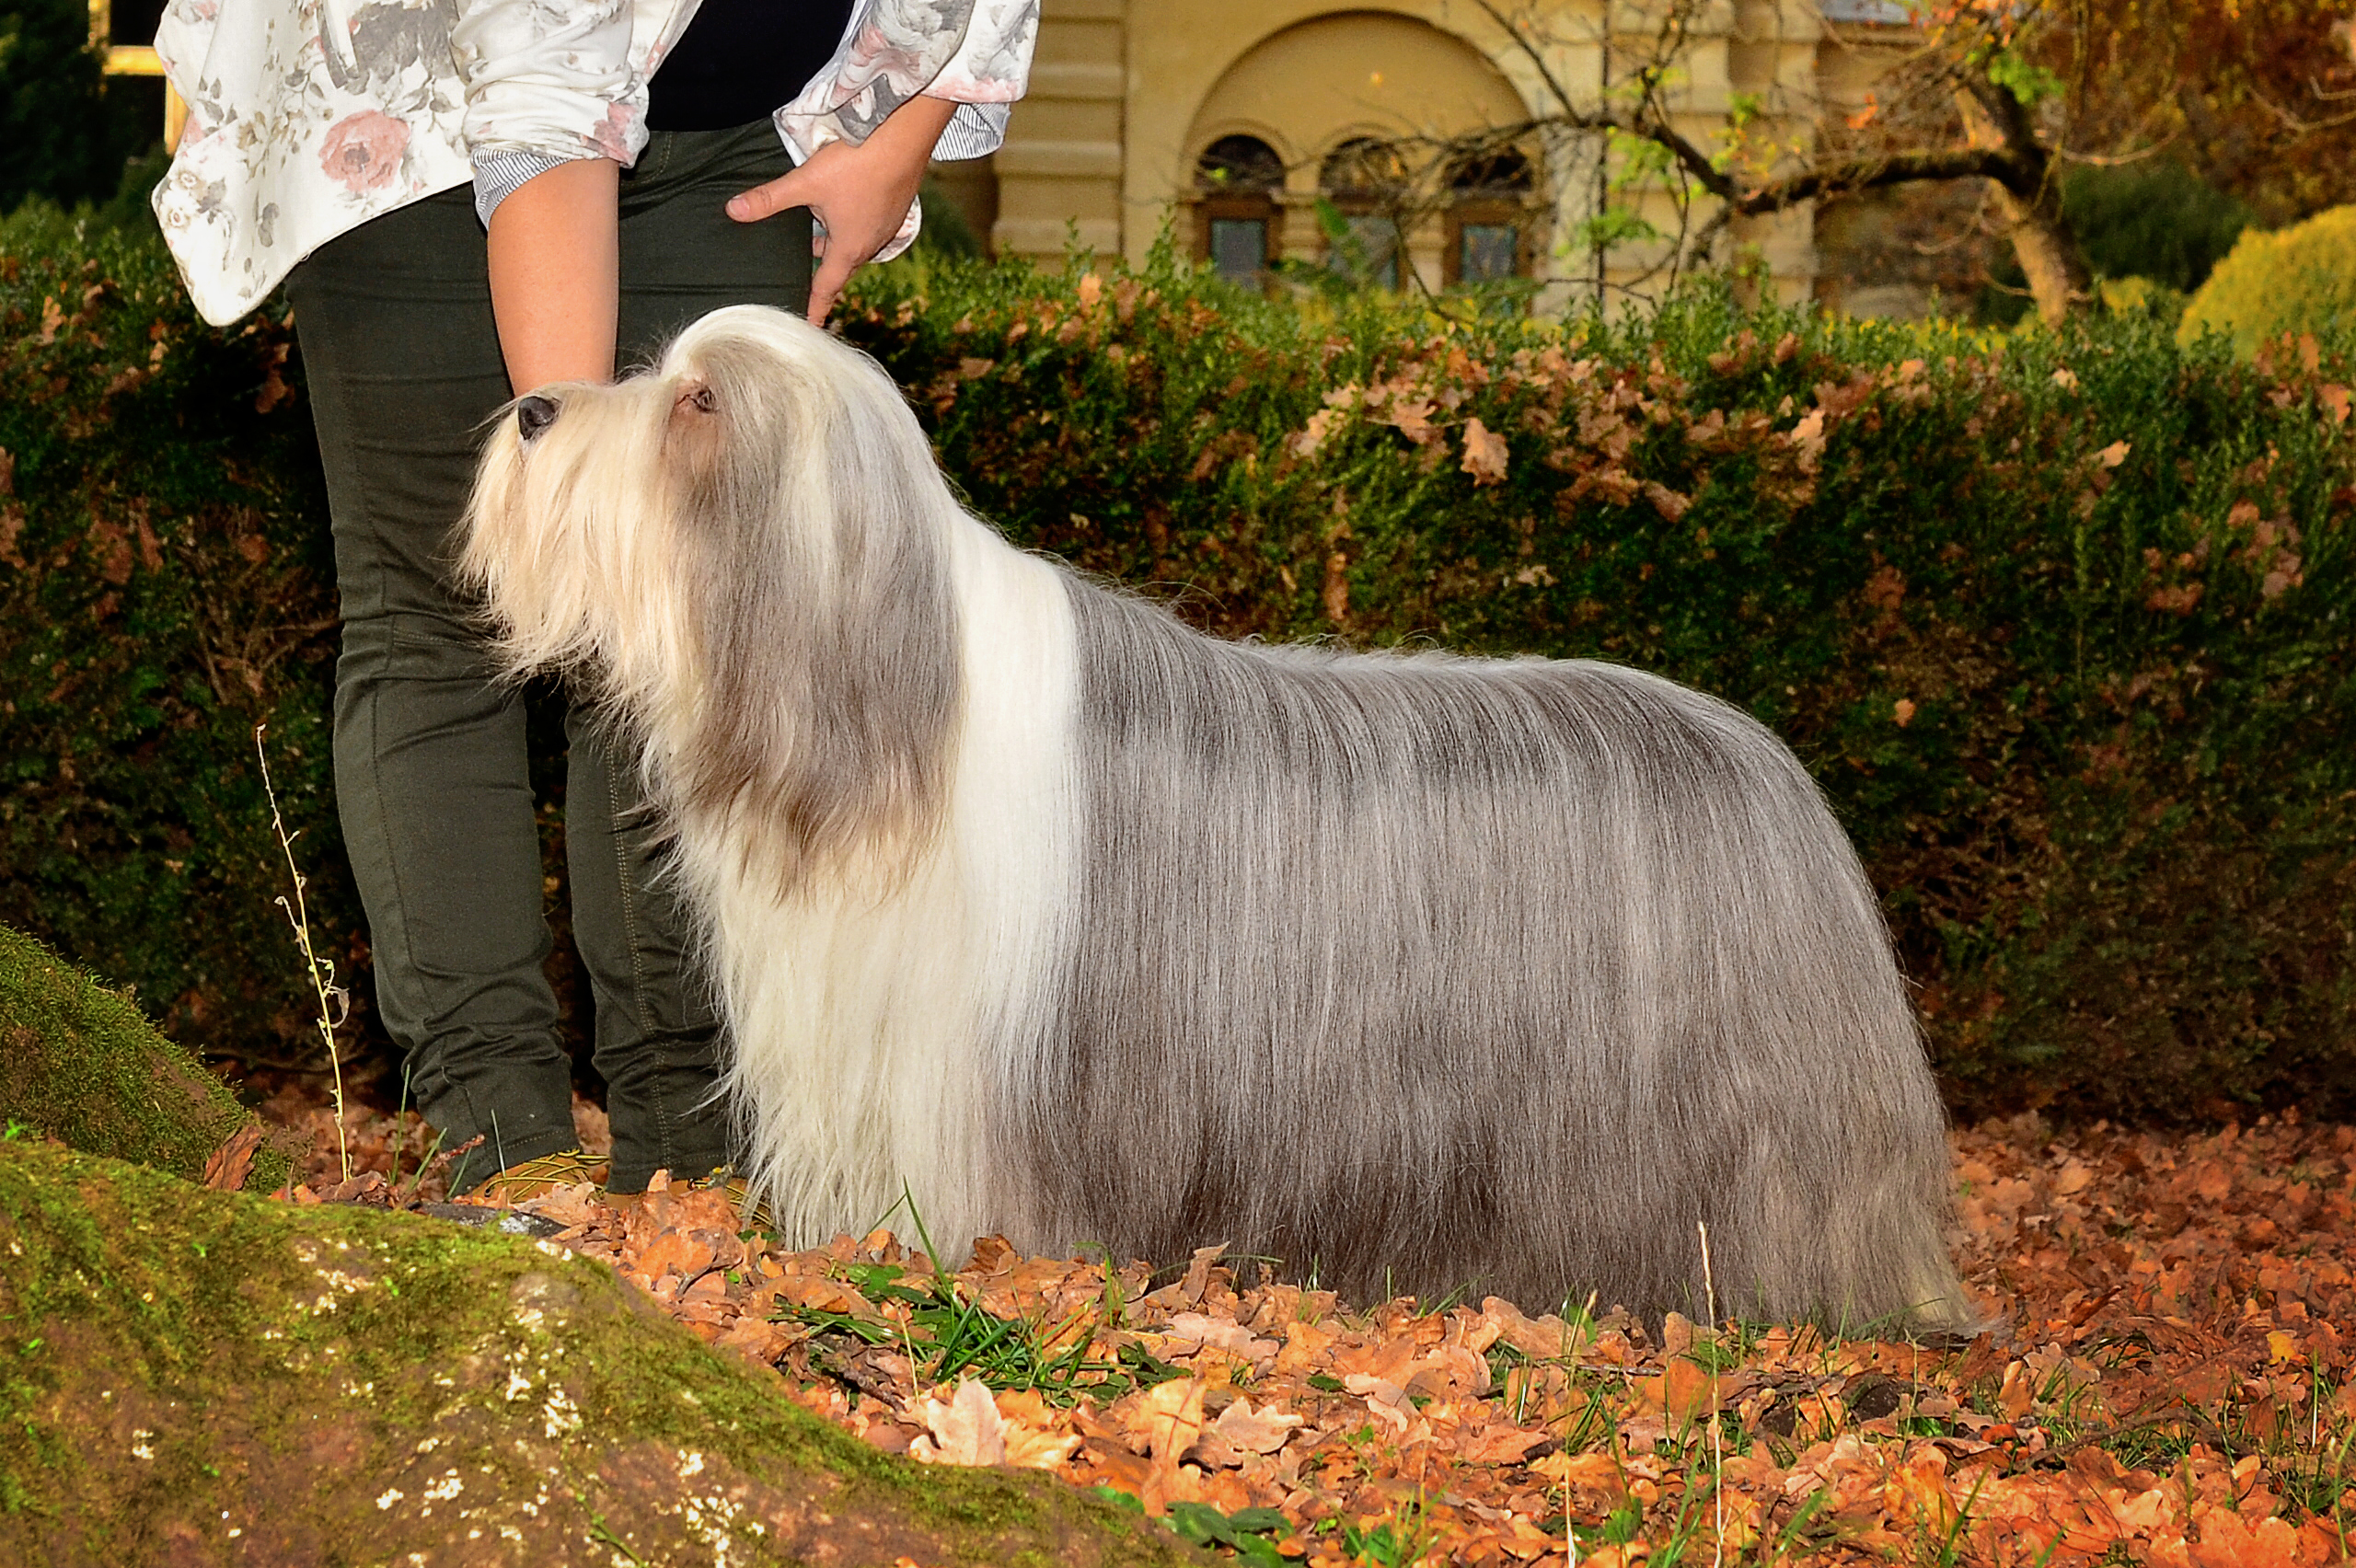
(532, 1178)
(752, 1214)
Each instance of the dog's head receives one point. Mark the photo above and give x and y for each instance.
(609, 523)
(744, 550)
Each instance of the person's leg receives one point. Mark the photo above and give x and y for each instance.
(658, 1041)
(431, 787)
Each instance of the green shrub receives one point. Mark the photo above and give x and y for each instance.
(163, 588)
(2061, 623)
(2158, 221)
(2300, 279)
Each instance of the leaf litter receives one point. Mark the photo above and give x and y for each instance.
(2172, 1381)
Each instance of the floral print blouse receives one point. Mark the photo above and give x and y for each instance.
(307, 117)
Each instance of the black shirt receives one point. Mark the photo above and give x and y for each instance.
(741, 59)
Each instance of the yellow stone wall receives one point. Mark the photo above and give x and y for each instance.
(1126, 94)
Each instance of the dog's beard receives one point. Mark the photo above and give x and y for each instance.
(562, 540)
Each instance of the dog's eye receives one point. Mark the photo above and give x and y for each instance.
(694, 400)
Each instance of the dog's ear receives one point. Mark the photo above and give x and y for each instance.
(830, 621)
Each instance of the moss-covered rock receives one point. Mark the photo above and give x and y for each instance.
(82, 1063)
(194, 1377)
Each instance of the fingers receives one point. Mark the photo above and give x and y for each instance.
(768, 200)
(826, 283)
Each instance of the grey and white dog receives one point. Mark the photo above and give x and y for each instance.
(1414, 970)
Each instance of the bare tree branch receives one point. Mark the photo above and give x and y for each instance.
(1870, 174)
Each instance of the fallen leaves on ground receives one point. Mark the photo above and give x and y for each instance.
(2172, 1383)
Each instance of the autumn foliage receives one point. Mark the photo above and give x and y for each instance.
(2172, 1381)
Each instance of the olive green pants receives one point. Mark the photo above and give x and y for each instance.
(431, 783)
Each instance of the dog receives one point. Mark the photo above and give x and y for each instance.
(1026, 902)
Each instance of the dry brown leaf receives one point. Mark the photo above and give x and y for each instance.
(581, 1203)
(671, 1253)
(2227, 1542)
(968, 1430)
(1305, 1348)
(1596, 1473)
(1313, 435)
(2018, 1392)
(1448, 1372)
(1263, 1430)
(1916, 1493)
(1168, 1418)
(1033, 1431)
(1221, 1333)
(1670, 503)
(1385, 1401)
(1413, 417)
(1684, 1389)
(756, 1339)
(227, 1168)
(1541, 1339)
(1485, 453)
(1497, 1445)
(1197, 1277)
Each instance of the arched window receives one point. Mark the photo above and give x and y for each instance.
(1489, 218)
(1366, 182)
(1237, 180)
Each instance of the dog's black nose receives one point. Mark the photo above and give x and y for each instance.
(535, 414)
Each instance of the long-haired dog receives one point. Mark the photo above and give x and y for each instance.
(1414, 970)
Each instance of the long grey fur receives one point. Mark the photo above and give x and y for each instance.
(1415, 971)
(1421, 972)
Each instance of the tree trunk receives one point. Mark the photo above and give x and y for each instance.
(2058, 279)
(200, 1377)
(2029, 197)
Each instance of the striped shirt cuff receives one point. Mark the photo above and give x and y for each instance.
(499, 175)
(975, 131)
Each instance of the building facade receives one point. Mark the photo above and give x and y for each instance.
(1235, 121)
(1229, 120)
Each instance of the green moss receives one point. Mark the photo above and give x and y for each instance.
(342, 1384)
(82, 1065)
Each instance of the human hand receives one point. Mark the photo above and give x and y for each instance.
(858, 191)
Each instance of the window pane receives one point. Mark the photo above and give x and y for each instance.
(1240, 163)
(1240, 247)
(1488, 252)
(1378, 243)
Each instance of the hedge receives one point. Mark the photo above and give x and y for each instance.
(2060, 623)
(163, 589)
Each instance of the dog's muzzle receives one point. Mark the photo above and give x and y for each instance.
(535, 414)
